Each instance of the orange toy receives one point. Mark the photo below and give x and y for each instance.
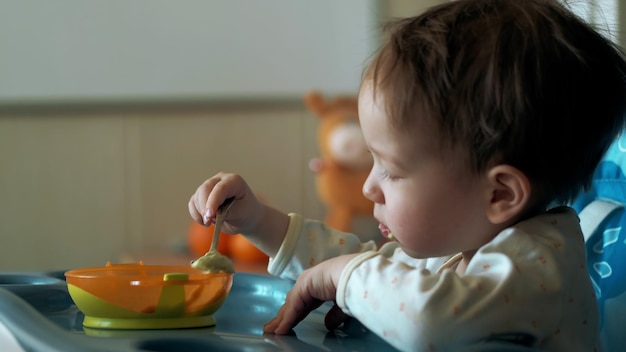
(199, 239)
(241, 249)
(344, 161)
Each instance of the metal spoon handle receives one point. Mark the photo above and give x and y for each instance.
(219, 219)
(216, 233)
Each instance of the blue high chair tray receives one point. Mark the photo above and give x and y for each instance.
(36, 308)
(38, 314)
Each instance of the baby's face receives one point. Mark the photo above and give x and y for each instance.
(432, 205)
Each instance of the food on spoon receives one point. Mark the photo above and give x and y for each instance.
(213, 262)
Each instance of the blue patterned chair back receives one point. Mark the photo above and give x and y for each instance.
(603, 221)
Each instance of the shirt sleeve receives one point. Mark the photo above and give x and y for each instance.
(309, 242)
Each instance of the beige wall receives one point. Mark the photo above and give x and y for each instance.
(621, 7)
(405, 8)
(80, 188)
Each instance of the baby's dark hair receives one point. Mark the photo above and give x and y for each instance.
(520, 82)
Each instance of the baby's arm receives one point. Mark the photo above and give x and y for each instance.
(310, 242)
(315, 255)
(314, 286)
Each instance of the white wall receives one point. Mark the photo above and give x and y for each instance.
(158, 49)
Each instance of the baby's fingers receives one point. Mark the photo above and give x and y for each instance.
(193, 210)
(270, 326)
(201, 203)
(283, 323)
(296, 307)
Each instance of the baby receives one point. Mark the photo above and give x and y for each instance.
(485, 118)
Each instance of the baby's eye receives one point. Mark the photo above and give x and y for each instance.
(387, 176)
(393, 178)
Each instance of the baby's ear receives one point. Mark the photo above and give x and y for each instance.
(509, 193)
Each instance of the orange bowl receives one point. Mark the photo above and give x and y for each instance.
(137, 296)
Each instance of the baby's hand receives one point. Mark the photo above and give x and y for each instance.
(244, 214)
(313, 287)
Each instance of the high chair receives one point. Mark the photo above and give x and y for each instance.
(603, 222)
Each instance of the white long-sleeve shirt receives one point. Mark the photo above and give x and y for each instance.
(530, 282)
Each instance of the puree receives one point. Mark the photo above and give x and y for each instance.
(214, 262)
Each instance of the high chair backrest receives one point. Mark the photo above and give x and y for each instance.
(603, 221)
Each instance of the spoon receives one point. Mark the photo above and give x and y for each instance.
(213, 261)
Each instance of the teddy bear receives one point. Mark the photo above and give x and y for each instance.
(344, 161)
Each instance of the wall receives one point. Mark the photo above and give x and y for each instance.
(620, 27)
(80, 188)
(152, 49)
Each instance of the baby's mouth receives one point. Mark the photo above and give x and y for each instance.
(384, 230)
